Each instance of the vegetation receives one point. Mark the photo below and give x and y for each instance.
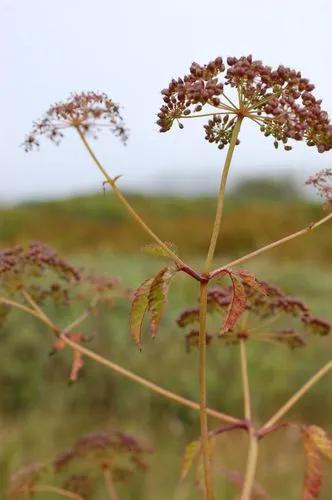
(240, 306)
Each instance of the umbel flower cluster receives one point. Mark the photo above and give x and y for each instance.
(322, 181)
(279, 100)
(87, 111)
(265, 316)
(39, 270)
(76, 469)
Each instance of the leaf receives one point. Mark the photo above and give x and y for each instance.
(138, 308)
(191, 452)
(237, 305)
(249, 279)
(200, 476)
(159, 251)
(77, 362)
(314, 471)
(322, 442)
(158, 295)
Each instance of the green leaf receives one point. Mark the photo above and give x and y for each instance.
(190, 454)
(159, 251)
(138, 308)
(158, 296)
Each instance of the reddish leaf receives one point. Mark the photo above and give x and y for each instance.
(237, 305)
(249, 279)
(320, 439)
(78, 361)
(158, 295)
(314, 472)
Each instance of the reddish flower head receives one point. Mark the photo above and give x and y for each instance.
(88, 111)
(279, 100)
(322, 181)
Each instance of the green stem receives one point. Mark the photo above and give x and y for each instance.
(221, 195)
(250, 467)
(249, 477)
(125, 202)
(202, 393)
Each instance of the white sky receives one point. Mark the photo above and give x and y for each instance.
(131, 50)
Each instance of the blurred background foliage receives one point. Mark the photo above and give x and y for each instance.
(40, 414)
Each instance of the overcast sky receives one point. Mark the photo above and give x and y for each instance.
(131, 50)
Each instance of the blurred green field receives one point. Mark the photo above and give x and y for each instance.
(41, 414)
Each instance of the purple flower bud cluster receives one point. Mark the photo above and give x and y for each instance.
(86, 111)
(279, 100)
(261, 307)
(191, 93)
(219, 130)
(103, 449)
(322, 181)
(15, 260)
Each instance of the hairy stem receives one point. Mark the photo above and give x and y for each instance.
(202, 393)
(297, 396)
(110, 484)
(36, 312)
(250, 255)
(221, 195)
(249, 477)
(126, 203)
(45, 488)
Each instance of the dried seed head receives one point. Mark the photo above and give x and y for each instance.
(87, 111)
